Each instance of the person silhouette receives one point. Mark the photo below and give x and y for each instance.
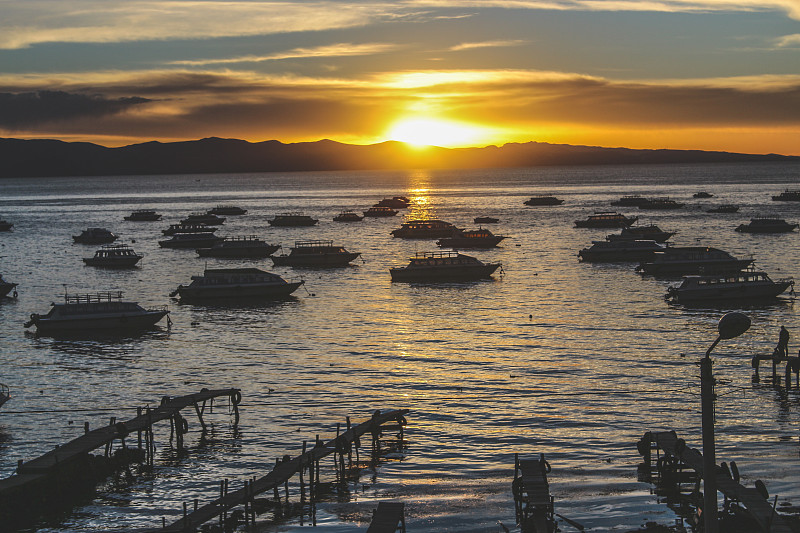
(782, 350)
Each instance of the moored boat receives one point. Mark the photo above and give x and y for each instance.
(472, 238)
(543, 199)
(692, 260)
(662, 203)
(348, 216)
(443, 267)
(789, 195)
(620, 251)
(292, 219)
(102, 311)
(424, 229)
(5, 394)
(114, 256)
(486, 220)
(190, 240)
(94, 236)
(315, 254)
(209, 219)
(745, 285)
(6, 286)
(631, 200)
(702, 194)
(396, 202)
(380, 211)
(236, 283)
(5, 225)
(232, 210)
(606, 219)
(188, 228)
(143, 215)
(766, 225)
(641, 233)
(724, 208)
(239, 247)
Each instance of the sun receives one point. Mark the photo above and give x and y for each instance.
(436, 132)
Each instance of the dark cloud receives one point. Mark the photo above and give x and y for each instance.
(23, 110)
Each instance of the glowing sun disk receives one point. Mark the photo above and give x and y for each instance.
(435, 132)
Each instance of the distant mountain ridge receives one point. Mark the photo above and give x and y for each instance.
(40, 158)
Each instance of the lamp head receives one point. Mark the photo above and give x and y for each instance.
(732, 325)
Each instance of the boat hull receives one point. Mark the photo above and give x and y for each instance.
(236, 292)
(108, 324)
(482, 242)
(259, 252)
(783, 228)
(694, 267)
(292, 223)
(199, 243)
(751, 291)
(443, 274)
(117, 262)
(315, 260)
(6, 288)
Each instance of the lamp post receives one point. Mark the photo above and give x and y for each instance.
(730, 325)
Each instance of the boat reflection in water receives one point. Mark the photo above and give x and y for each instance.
(236, 284)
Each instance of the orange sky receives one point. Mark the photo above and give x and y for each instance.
(682, 74)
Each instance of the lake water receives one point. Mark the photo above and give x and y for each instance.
(553, 356)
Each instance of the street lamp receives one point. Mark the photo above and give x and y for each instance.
(730, 325)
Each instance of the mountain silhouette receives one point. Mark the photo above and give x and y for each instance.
(39, 158)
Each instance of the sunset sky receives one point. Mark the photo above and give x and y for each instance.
(686, 74)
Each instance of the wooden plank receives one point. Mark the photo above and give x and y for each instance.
(759, 508)
(279, 475)
(387, 518)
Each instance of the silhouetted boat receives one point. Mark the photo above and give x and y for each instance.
(380, 211)
(348, 216)
(745, 285)
(236, 283)
(5, 394)
(619, 251)
(641, 233)
(6, 286)
(208, 219)
(315, 254)
(606, 219)
(188, 228)
(5, 225)
(292, 219)
(103, 311)
(485, 220)
(443, 266)
(227, 210)
(632, 200)
(424, 229)
(702, 194)
(114, 256)
(789, 195)
(724, 208)
(471, 238)
(692, 260)
(396, 202)
(239, 247)
(766, 225)
(543, 199)
(94, 236)
(190, 240)
(143, 215)
(662, 203)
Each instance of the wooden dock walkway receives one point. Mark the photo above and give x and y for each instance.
(532, 499)
(792, 366)
(678, 453)
(389, 517)
(53, 479)
(308, 461)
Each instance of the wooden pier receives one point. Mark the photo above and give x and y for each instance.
(533, 502)
(673, 457)
(389, 517)
(792, 367)
(56, 478)
(306, 465)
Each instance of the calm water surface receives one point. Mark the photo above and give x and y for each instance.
(572, 360)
